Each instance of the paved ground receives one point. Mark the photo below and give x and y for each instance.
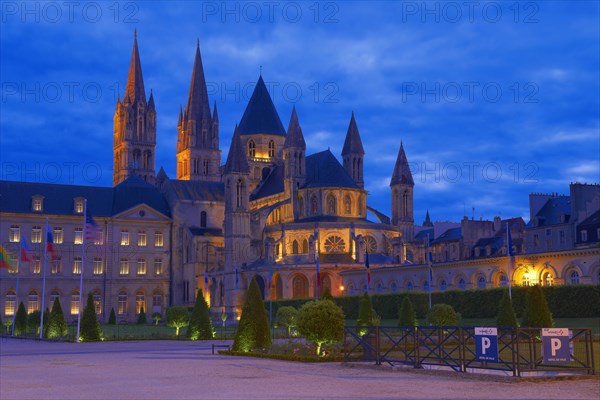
(187, 370)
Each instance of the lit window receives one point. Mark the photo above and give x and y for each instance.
(36, 265)
(77, 265)
(548, 279)
(79, 207)
(14, 234)
(140, 301)
(97, 302)
(33, 303)
(122, 303)
(141, 238)
(158, 266)
(10, 303)
(334, 244)
(158, 239)
(99, 238)
(57, 233)
(13, 264)
(525, 281)
(97, 266)
(37, 204)
(124, 267)
(36, 234)
(141, 269)
(78, 236)
(75, 302)
(124, 237)
(251, 149)
(56, 266)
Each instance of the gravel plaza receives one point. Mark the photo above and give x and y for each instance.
(187, 370)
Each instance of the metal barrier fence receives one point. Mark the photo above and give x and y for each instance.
(516, 350)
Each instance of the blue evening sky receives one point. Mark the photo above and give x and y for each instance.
(493, 100)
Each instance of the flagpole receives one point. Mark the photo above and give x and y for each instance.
(44, 282)
(429, 270)
(17, 289)
(508, 253)
(270, 290)
(81, 271)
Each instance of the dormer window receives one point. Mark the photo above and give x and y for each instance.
(37, 203)
(78, 205)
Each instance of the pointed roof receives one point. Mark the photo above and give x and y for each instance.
(134, 90)
(197, 107)
(260, 115)
(236, 159)
(294, 138)
(151, 100)
(180, 115)
(324, 170)
(353, 144)
(215, 116)
(402, 172)
(427, 221)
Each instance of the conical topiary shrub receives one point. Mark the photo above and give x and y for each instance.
(506, 313)
(142, 317)
(253, 329)
(90, 328)
(200, 326)
(537, 313)
(112, 319)
(21, 320)
(407, 316)
(57, 324)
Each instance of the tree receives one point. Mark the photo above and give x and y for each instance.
(537, 313)
(223, 317)
(156, 316)
(33, 320)
(407, 316)
(112, 319)
(57, 324)
(90, 327)
(200, 326)
(287, 316)
(142, 317)
(506, 313)
(442, 314)
(21, 320)
(253, 329)
(321, 322)
(177, 317)
(326, 295)
(366, 314)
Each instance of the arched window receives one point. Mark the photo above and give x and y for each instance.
(405, 203)
(334, 244)
(410, 286)
(157, 300)
(140, 301)
(33, 302)
(325, 284)
(503, 281)
(370, 244)
(10, 303)
(547, 279)
(304, 246)
(251, 148)
(481, 282)
(393, 287)
(271, 149)
(239, 192)
(574, 278)
(462, 284)
(331, 205)
(295, 247)
(122, 302)
(314, 205)
(525, 280)
(53, 296)
(299, 287)
(443, 285)
(203, 219)
(97, 302)
(347, 205)
(75, 302)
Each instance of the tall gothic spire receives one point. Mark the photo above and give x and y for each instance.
(294, 138)
(197, 107)
(236, 159)
(353, 144)
(134, 90)
(402, 172)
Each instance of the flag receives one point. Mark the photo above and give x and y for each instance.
(24, 250)
(50, 241)
(509, 243)
(92, 232)
(237, 279)
(5, 261)
(367, 267)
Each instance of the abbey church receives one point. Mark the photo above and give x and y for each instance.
(299, 223)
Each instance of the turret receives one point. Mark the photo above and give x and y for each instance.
(402, 185)
(353, 154)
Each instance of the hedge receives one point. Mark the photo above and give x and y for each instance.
(565, 301)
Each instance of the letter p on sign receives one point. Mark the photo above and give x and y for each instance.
(555, 345)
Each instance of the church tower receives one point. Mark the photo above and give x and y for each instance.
(198, 154)
(134, 127)
(402, 185)
(294, 156)
(353, 154)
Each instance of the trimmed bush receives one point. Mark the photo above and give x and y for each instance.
(142, 317)
(112, 319)
(21, 320)
(253, 329)
(287, 316)
(442, 315)
(506, 314)
(321, 322)
(537, 313)
(407, 316)
(177, 317)
(33, 320)
(200, 326)
(366, 315)
(90, 327)
(57, 324)
(156, 316)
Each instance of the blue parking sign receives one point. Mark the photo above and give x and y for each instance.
(555, 345)
(486, 344)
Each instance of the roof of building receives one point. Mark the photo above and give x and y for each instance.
(402, 174)
(324, 170)
(260, 115)
(352, 143)
(294, 138)
(272, 184)
(591, 221)
(134, 90)
(101, 201)
(422, 235)
(198, 190)
(197, 107)
(236, 158)
(557, 210)
(452, 234)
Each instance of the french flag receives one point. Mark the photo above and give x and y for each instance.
(24, 250)
(50, 242)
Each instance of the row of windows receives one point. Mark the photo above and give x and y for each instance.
(56, 266)
(37, 204)
(33, 302)
(14, 236)
(252, 149)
